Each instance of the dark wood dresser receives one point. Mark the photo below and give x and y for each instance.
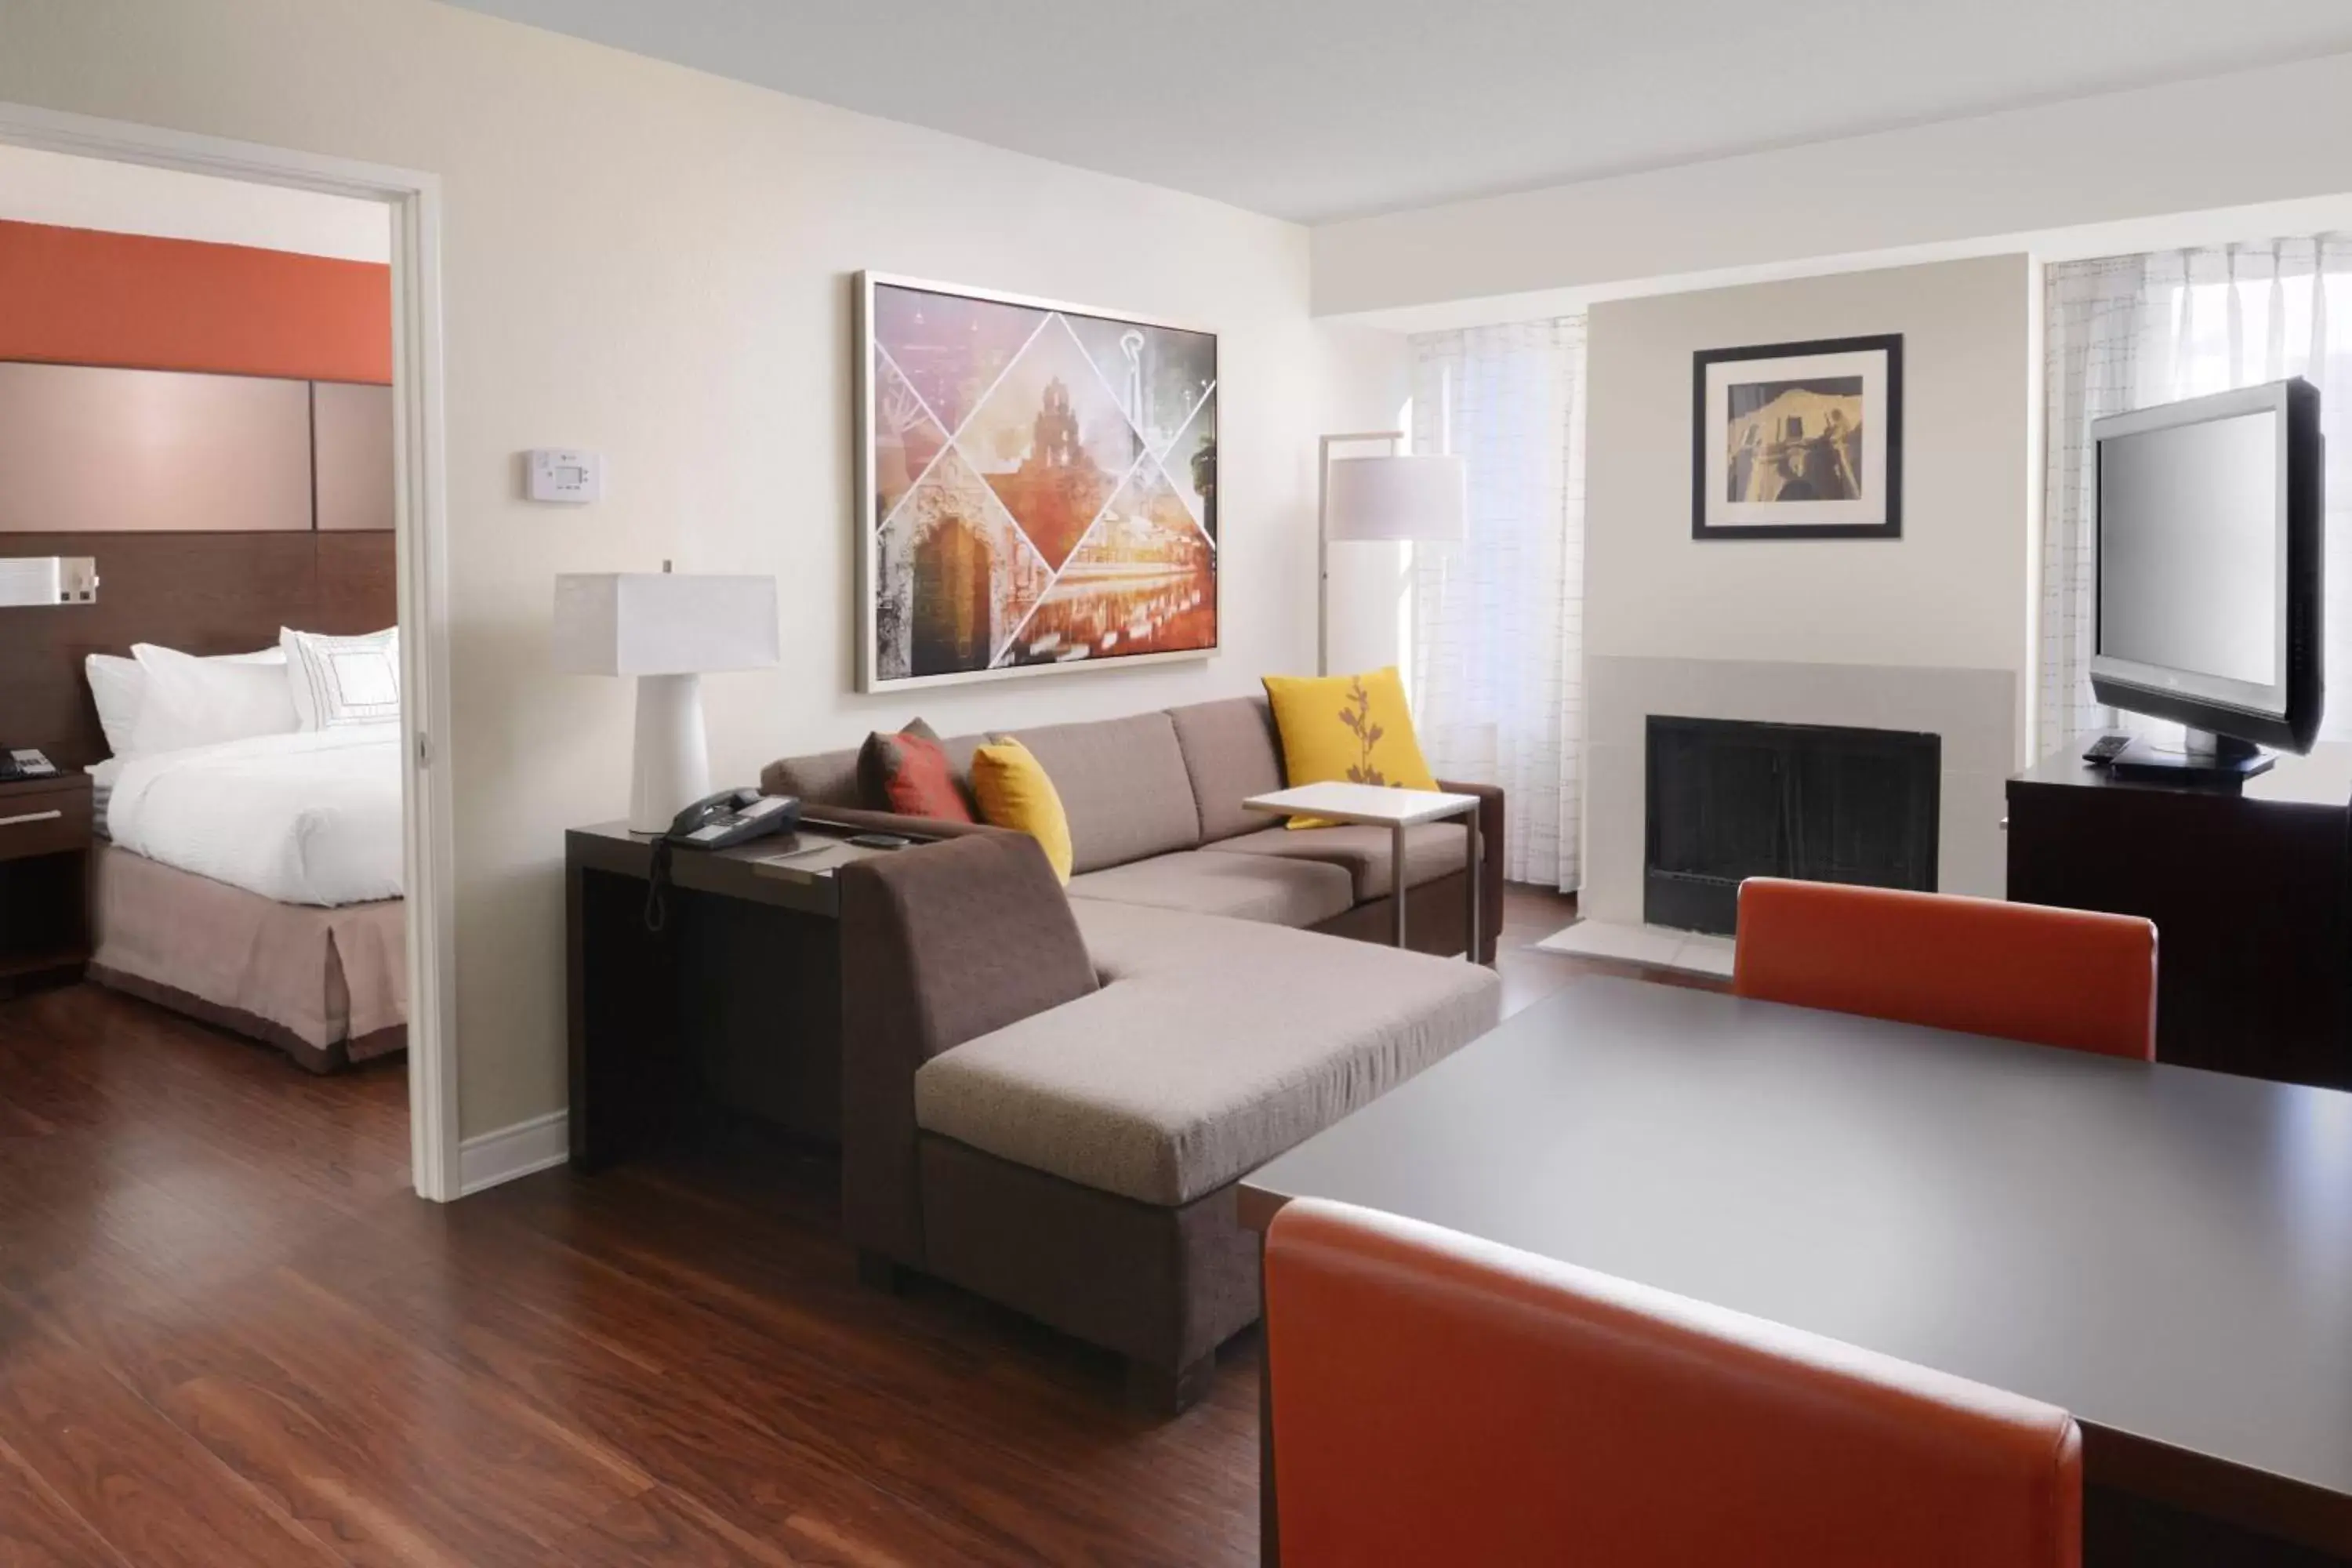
(2251, 892)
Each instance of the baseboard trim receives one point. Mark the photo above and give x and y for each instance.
(489, 1158)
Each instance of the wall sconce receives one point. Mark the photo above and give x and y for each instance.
(28, 580)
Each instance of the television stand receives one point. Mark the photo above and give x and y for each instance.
(2202, 759)
(2250, 887)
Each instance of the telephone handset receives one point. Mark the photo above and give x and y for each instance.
(733, 816)
(719, 821)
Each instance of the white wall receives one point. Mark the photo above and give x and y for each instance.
(1951, 592)
(1928, 632)
(2278, 134)
(129, 198)
(658, 264)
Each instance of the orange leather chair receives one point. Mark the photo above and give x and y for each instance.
(2022, 972)
(1439, 1399)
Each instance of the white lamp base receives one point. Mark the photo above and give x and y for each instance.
(673, 762)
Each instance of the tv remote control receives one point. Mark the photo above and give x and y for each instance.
(2107, 749)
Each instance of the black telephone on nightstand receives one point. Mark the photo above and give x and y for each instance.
(733, 816)
(17, 766)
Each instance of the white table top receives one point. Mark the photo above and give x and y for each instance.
(1363, 803)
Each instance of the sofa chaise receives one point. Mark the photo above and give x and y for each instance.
(1048, 1095)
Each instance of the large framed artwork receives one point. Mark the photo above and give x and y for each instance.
(1040, 486)
(1798, 440)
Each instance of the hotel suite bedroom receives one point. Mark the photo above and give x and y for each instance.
(1323, 783)
(199, 666)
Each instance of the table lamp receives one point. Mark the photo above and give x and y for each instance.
(669, 630)
(1400, 496)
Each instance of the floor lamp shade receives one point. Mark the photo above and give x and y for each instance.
(1400, 497)
(668, 630)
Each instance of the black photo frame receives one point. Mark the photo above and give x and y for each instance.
(1874, 508)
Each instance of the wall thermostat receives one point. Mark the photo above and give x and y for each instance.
(564, 474)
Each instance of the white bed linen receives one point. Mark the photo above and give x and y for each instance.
(102, 775)
(312, 817)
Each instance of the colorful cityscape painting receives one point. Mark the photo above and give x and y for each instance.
(1041, 486)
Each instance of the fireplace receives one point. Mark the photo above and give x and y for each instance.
(1732, 799)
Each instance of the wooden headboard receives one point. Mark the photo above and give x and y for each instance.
(200, 593)
(212, 423)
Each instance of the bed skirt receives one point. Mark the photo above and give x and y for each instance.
(327, 986)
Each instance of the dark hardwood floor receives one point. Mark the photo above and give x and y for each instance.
(229, 1334)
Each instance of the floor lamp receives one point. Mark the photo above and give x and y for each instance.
(1398, 497)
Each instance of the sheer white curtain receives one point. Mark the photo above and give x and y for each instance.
(1497, 628)
(2128, 333)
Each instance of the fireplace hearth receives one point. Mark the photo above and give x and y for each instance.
(1732, 799)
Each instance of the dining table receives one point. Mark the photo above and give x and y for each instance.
(2165, 1252)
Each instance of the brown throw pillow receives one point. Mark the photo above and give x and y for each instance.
(908, 774)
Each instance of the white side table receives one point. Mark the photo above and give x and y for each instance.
(1396, 809)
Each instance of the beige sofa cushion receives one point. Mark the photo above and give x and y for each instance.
(1240, 886)
(1214, 1046)
(1231, 751)
(1431, 849)
(1122, 783)
(820, 778)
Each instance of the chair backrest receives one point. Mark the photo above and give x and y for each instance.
(2022, 972)
(1439, 1399)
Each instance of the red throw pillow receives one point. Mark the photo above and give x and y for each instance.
(916, 779)
(878, 759)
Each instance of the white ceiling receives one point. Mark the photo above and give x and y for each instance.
(1314, 109)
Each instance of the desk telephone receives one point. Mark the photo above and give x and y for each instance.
(733, 816)
(719, 821)
(26, 764)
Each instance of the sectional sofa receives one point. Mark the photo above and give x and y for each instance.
(1048, 1095)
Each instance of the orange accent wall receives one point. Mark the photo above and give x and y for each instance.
(82, 296)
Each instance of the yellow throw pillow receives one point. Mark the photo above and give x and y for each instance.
(1013, 792)
(1346, 729)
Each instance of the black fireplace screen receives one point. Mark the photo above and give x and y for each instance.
(1729, 800)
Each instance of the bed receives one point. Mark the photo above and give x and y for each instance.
(256, 883)
(232, 687)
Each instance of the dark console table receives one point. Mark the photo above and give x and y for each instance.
(2251, 891)
(736, 1003)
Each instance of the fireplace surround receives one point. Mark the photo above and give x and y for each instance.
(1974, 713)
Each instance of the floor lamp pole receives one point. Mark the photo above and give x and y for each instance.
(1323, 536)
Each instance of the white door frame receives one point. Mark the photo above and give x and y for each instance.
(421, 536)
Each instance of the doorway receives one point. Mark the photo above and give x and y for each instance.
(411, 202)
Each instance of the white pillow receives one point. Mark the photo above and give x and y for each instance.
(192, 701)
(118, 687)
(342, 680)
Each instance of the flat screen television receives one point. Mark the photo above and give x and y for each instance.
(2208, 598)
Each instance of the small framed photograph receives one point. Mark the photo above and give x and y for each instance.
(1798, 440)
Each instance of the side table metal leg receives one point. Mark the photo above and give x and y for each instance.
(1396, 876)
(1477, 864)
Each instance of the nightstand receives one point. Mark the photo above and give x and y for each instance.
(45, 841)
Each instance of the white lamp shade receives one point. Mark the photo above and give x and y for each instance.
(660, 623)
(1401, 497)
